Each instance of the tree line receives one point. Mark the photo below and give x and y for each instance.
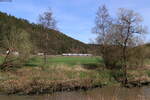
(121, 39)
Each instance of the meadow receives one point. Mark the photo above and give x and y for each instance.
(65, 60)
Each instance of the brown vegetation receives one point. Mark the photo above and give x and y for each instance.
(37, 81)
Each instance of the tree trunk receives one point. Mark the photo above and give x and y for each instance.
(45, 58)
(125, 80)
(46, 48)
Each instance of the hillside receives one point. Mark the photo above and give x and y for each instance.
(58, 42)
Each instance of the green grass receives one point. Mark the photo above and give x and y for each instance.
(71, 61)
(147, 61)
(1, 59)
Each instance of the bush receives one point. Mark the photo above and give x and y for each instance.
(117, 74)
(137, 56)
(112, 57)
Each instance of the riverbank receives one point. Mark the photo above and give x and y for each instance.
(36, 80)
(138, 78)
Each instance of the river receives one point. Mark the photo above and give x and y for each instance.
(106, 93)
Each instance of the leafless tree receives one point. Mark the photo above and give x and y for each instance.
(130, 29)
(102, 24)
(48, 22)
(102, 27)
(46, 19)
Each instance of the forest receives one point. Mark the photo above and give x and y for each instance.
(58, 42)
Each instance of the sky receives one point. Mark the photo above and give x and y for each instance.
(75, 18)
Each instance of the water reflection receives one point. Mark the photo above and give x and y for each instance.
(108, 93)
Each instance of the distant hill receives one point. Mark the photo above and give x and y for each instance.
(58, 42)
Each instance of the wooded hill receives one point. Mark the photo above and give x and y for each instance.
(58, 42)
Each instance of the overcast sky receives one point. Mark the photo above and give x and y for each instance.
(75, 17)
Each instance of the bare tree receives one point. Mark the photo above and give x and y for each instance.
(102, 27)
(130, 25)
(102, 24)
(48, 22)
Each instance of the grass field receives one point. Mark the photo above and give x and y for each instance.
(59, 60)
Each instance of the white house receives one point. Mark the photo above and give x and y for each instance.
(40, 54)
(74, 54)
(13, 51)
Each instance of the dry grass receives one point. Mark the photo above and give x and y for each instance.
(140, 76)
(35, 80)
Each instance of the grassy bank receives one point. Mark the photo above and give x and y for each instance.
(34, 80)
(60, 73)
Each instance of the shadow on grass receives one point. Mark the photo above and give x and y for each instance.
(91, 66)
(31, 65)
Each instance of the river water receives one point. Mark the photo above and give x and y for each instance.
(107, 93)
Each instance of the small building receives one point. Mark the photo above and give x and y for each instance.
(75, 54)
(40, 54)
(15, 53)
(12, 51)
